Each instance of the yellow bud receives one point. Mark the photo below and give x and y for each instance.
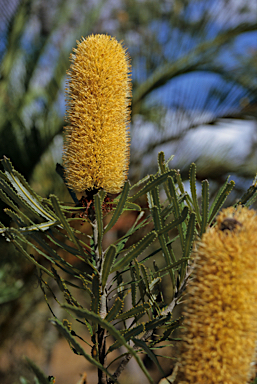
(221, 307)
(96, 145)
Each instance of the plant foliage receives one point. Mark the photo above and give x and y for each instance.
(125, 275)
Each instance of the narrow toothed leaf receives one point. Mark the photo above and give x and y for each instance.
(175, 222)
(65, 223)
(174, 196)
(146, 178)
(115, 310)
(133, 332)
(190, 235)
(157, 322)
(248, 195)
(141, 285)
(157, 181)
(192, 178)
(133, 287)
(132, 206)
(15, 217)
(96, 295)
(25, 191)
(30, 258)
(161, 162)
(134, 312)
(169, 257)
(205, 206)
(99, 222)
(149, 352)
(220, 199)
(120, 207)
(135, 251)
(77, 347)
(107, 263)
(7, 193)
(84, 313)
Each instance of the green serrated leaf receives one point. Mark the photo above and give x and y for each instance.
(190, 234)
(175, 222)
(173, 193)
(141, 285)
(63, 288)
(132, 206)
(169, 160)
(128, 334)
(157, 322)
(10, 192)
(169, 257)
(248, 195)
(109, 257)
(192, 178)
(135, 251)
(133, 287)
(161, 162)
(163, 168)
(152, 184)
(65, 223)
(96, 294)
(220, 199)
(142, 344)
(120, 286)
(15, 217)
(134, 312)
(115, 310)
(112, 331)
(205, 206)
(24, 190)
(30, 258)
(251, 200)
(174, 325)
(120, 206)
(64, 331)
(102, 194)
(173, 265)
(122, 241)
(146, 178)
(144, 276)
(99, 222)
(37, 372)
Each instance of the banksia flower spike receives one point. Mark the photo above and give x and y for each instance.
(219, 340)
(96, 146)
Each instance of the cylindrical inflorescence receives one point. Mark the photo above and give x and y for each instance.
(96, 143)
(220, 314)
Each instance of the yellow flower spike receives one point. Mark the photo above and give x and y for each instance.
(96, 145)
(219, 339)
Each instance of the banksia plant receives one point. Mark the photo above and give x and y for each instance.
(220, 312)
(221, 316)
(96, 147)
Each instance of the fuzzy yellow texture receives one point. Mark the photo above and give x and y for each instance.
(221, 304)
(96, 145)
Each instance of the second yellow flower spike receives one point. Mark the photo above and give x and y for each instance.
(219, 342)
